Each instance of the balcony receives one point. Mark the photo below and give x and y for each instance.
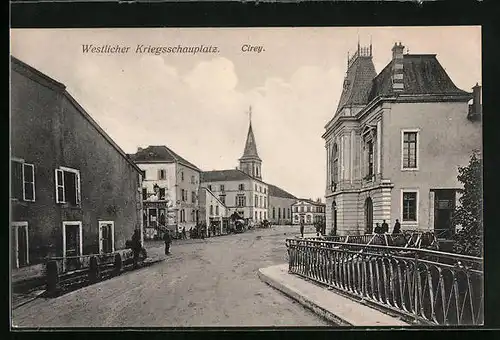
(357, 184)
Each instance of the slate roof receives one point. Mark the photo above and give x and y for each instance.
(160, 153)
(33, 74)
(224, 175)
(357, 82)
(278, 192)
(250, 151)
(309, 201)
(422, 74)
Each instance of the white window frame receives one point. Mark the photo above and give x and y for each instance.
(160, 173)
(417, 151)
(77, 183)
(15, 234)
(101, 224)
(23, 164)
(80, 230)
(403, 222)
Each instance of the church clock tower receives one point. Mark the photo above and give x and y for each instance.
(250, 162)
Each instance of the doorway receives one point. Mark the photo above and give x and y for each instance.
(72, 238)
(444, 205)
(20, 244)
(369, 215)
(106, 237)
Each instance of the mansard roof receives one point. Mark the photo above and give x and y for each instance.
(250, 151)
(160, 154)
(357, 82)
(422, 74)
(308, 201)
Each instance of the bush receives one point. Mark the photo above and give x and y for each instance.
(469, 213)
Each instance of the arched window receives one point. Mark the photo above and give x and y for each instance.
(274, 212)
(335, 164)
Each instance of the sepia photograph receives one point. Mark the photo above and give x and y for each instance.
(246, 177)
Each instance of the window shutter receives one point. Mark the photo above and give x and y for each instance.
(77, 185)
(28, 182)
(59, 175)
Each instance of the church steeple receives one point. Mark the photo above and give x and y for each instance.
(250, 162)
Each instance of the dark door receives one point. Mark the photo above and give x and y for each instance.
(72, 240)
(107, 238)
(444, 204)
(369, 215)
(22, 246)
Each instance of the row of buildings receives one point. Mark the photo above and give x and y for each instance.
(177, 194)
(74, 191)
(395, 142)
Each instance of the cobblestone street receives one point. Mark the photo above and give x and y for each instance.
(211, 282)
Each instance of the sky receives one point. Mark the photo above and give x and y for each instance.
(197, 104)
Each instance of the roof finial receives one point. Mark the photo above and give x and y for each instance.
(370, 45)
(358, 44)
(250, 114)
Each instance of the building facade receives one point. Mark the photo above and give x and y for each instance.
(308, 211)
(212, 210)
(242, 190)
(169, 191)
(73, 190)
(239, 192)
(280, 206)
(395, 142)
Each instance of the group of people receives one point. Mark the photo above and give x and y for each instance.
(384, 228)
(379, 229)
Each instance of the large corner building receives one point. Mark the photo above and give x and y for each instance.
(395, 142)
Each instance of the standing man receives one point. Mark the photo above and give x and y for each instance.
(397, 227)
(302, 228)
(168, 240)
(136, 246)
(385, 227)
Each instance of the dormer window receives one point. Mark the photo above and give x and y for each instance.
(346, 84)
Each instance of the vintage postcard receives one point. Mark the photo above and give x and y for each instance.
(230, 177)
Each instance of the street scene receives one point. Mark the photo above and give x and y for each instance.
(197, 178)
(210, 282)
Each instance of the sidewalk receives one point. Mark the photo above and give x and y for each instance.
(338, 309)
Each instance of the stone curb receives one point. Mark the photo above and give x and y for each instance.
(337, 309)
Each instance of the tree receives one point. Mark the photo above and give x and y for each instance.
(469, 213)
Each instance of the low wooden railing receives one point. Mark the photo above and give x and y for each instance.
(426, 286)
(65, 272)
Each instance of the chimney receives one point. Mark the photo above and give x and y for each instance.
(475, 109)
(397, 67)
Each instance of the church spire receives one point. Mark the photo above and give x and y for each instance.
(250, 162)
(250, 145)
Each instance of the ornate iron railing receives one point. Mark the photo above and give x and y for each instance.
(430, 287)
(409, 239)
